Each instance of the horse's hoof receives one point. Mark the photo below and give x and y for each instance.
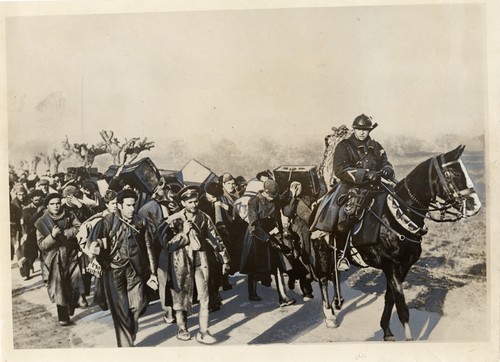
(409, 339)
(389, 339)
(331, 323)
(338, 303)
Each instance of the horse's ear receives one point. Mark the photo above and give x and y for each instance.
(454, 154)
(459, 150)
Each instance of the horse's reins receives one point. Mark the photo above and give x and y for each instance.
(450, 192)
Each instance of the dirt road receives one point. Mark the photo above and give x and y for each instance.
(454, 315)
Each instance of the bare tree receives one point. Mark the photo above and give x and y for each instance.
(53, 159)
(85, 153)
(123, 153)
(24, 166)
(35, 161)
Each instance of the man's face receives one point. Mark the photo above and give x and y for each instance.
(127, 207)
(191, 205)
(37, 200)
(54, 206)
(229, 186)
(21, 195)
(112, 206)
(44, 188)
(361, 134)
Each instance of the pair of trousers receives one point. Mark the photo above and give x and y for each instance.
(124, 290)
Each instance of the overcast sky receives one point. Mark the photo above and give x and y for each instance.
(239, 74)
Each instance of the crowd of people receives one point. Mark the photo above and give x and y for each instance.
(180, 246)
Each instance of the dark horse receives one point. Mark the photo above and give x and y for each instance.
(438, 185)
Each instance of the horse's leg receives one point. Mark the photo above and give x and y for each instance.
(338, 300)
(396, 281)
(386, 315)
(328, 311)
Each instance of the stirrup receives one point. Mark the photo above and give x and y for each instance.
(343, 264)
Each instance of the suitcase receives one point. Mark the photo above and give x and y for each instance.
(142, 175)
(306, 175)
(194, 173)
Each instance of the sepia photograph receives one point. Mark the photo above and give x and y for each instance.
(242, 181)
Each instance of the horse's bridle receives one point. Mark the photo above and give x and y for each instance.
(451, 193)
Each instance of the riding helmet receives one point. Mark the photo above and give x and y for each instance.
(363, 122)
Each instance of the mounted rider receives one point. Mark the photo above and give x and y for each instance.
(358, 162)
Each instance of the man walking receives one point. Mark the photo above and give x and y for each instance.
(56, 236)
(123, 244)
(188, 237)
(29, 244)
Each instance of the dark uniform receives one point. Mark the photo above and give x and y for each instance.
(261, 255)
(356, 163)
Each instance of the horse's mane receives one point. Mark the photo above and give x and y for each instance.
(419, 171)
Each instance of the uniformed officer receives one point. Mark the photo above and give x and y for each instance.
(358, 161)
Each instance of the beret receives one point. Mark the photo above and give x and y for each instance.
(36, 193)
(214, 188)
(51, 196)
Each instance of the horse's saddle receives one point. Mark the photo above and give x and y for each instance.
(366, 230)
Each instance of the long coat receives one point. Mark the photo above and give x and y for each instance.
(351, 162)
(31, 213)
(60, 254)
(184, 259)
(257, 255)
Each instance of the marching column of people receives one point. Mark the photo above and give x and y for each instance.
(184, 244)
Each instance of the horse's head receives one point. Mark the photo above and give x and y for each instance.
(453, 184)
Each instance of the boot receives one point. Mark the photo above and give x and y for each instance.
(225, 283)
(63, 315)
(252, 289)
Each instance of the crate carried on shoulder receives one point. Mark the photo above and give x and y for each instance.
(306, 175)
